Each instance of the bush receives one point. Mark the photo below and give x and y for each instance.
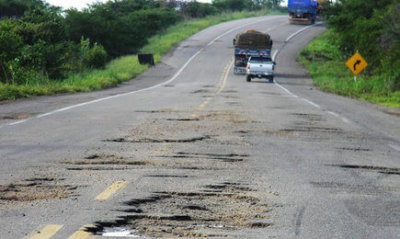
(96, 57)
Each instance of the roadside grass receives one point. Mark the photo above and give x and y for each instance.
(121, 69)
(327, 67)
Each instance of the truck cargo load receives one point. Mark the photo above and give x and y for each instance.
(250, 43)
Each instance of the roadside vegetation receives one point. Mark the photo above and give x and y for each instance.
(46, 50)
(373, 29)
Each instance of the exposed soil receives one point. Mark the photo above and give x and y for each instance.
(213, 212)
(34, 189)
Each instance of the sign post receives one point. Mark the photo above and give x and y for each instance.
(356, 64)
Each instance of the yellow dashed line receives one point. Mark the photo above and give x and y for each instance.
(47, 232)
(115, 187)
(82, 233)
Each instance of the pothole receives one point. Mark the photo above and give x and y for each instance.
(151, 140)
(158, 111)
(355, 149)
(205, 214)
(35, 189)
(228, 158)
(313, 129)
(310, 117)
(200, 91)
(383, 170)
(104, 162)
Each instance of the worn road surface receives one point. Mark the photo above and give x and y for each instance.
(190, 150)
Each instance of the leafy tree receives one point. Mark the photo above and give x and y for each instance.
(17, 8)
(10, 43)
(197, 10)
(233, 5)
(120, 30)
(268, 4)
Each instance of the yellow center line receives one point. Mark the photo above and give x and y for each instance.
(219, 89)
(225, 79)
(114, 188)
(82, 233)
(47, 232)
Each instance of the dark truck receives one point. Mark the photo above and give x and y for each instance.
(303, 11)
(247, 44)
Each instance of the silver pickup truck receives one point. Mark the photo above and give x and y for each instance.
(260, 67)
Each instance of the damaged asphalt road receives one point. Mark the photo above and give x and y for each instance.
(190, 150)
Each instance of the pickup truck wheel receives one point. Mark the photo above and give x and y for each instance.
(248, 78)
(271, 79)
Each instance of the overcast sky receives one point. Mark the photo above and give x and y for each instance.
(80, 4)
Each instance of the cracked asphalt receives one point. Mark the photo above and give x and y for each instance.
(190, 150)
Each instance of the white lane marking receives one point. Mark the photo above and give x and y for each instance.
(395, 147)
(294, 95)
(286, 90)
(124, 94)
(17, 122)
(292, 36)
(300, 31)
(137, 91)
(312, 103)
(347, 121)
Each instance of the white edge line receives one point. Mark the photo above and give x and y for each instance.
(17, 122)
(395, 147)
(137, 91)
(286, 90)
(312, 103)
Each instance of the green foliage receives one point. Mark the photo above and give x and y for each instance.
(372, 28)
(17, 8)
(118, 70)
(248, 5)
(234, 5)
(121, 27)
(326, 65)
(96, 57)
(198, 10)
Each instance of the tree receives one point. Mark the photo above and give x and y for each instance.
(122, 27)
(233, 5)
(197, 10)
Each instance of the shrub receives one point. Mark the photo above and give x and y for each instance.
(96, 57)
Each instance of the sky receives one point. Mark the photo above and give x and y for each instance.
(80, 4)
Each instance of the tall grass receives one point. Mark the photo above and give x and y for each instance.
(327, 67)
(121, 69)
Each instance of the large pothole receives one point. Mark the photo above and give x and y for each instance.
(213, 212)
(35, 189)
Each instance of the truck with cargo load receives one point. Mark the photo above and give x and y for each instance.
(304, 11)
(247, 44)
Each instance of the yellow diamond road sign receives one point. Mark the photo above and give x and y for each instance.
(356, 63)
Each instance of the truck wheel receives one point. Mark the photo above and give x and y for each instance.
(271, 79)
(248, 78)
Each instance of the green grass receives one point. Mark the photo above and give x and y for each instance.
(119, 70)
(327, 67)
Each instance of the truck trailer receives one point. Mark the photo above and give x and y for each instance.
(303, 11)
(247, 44)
